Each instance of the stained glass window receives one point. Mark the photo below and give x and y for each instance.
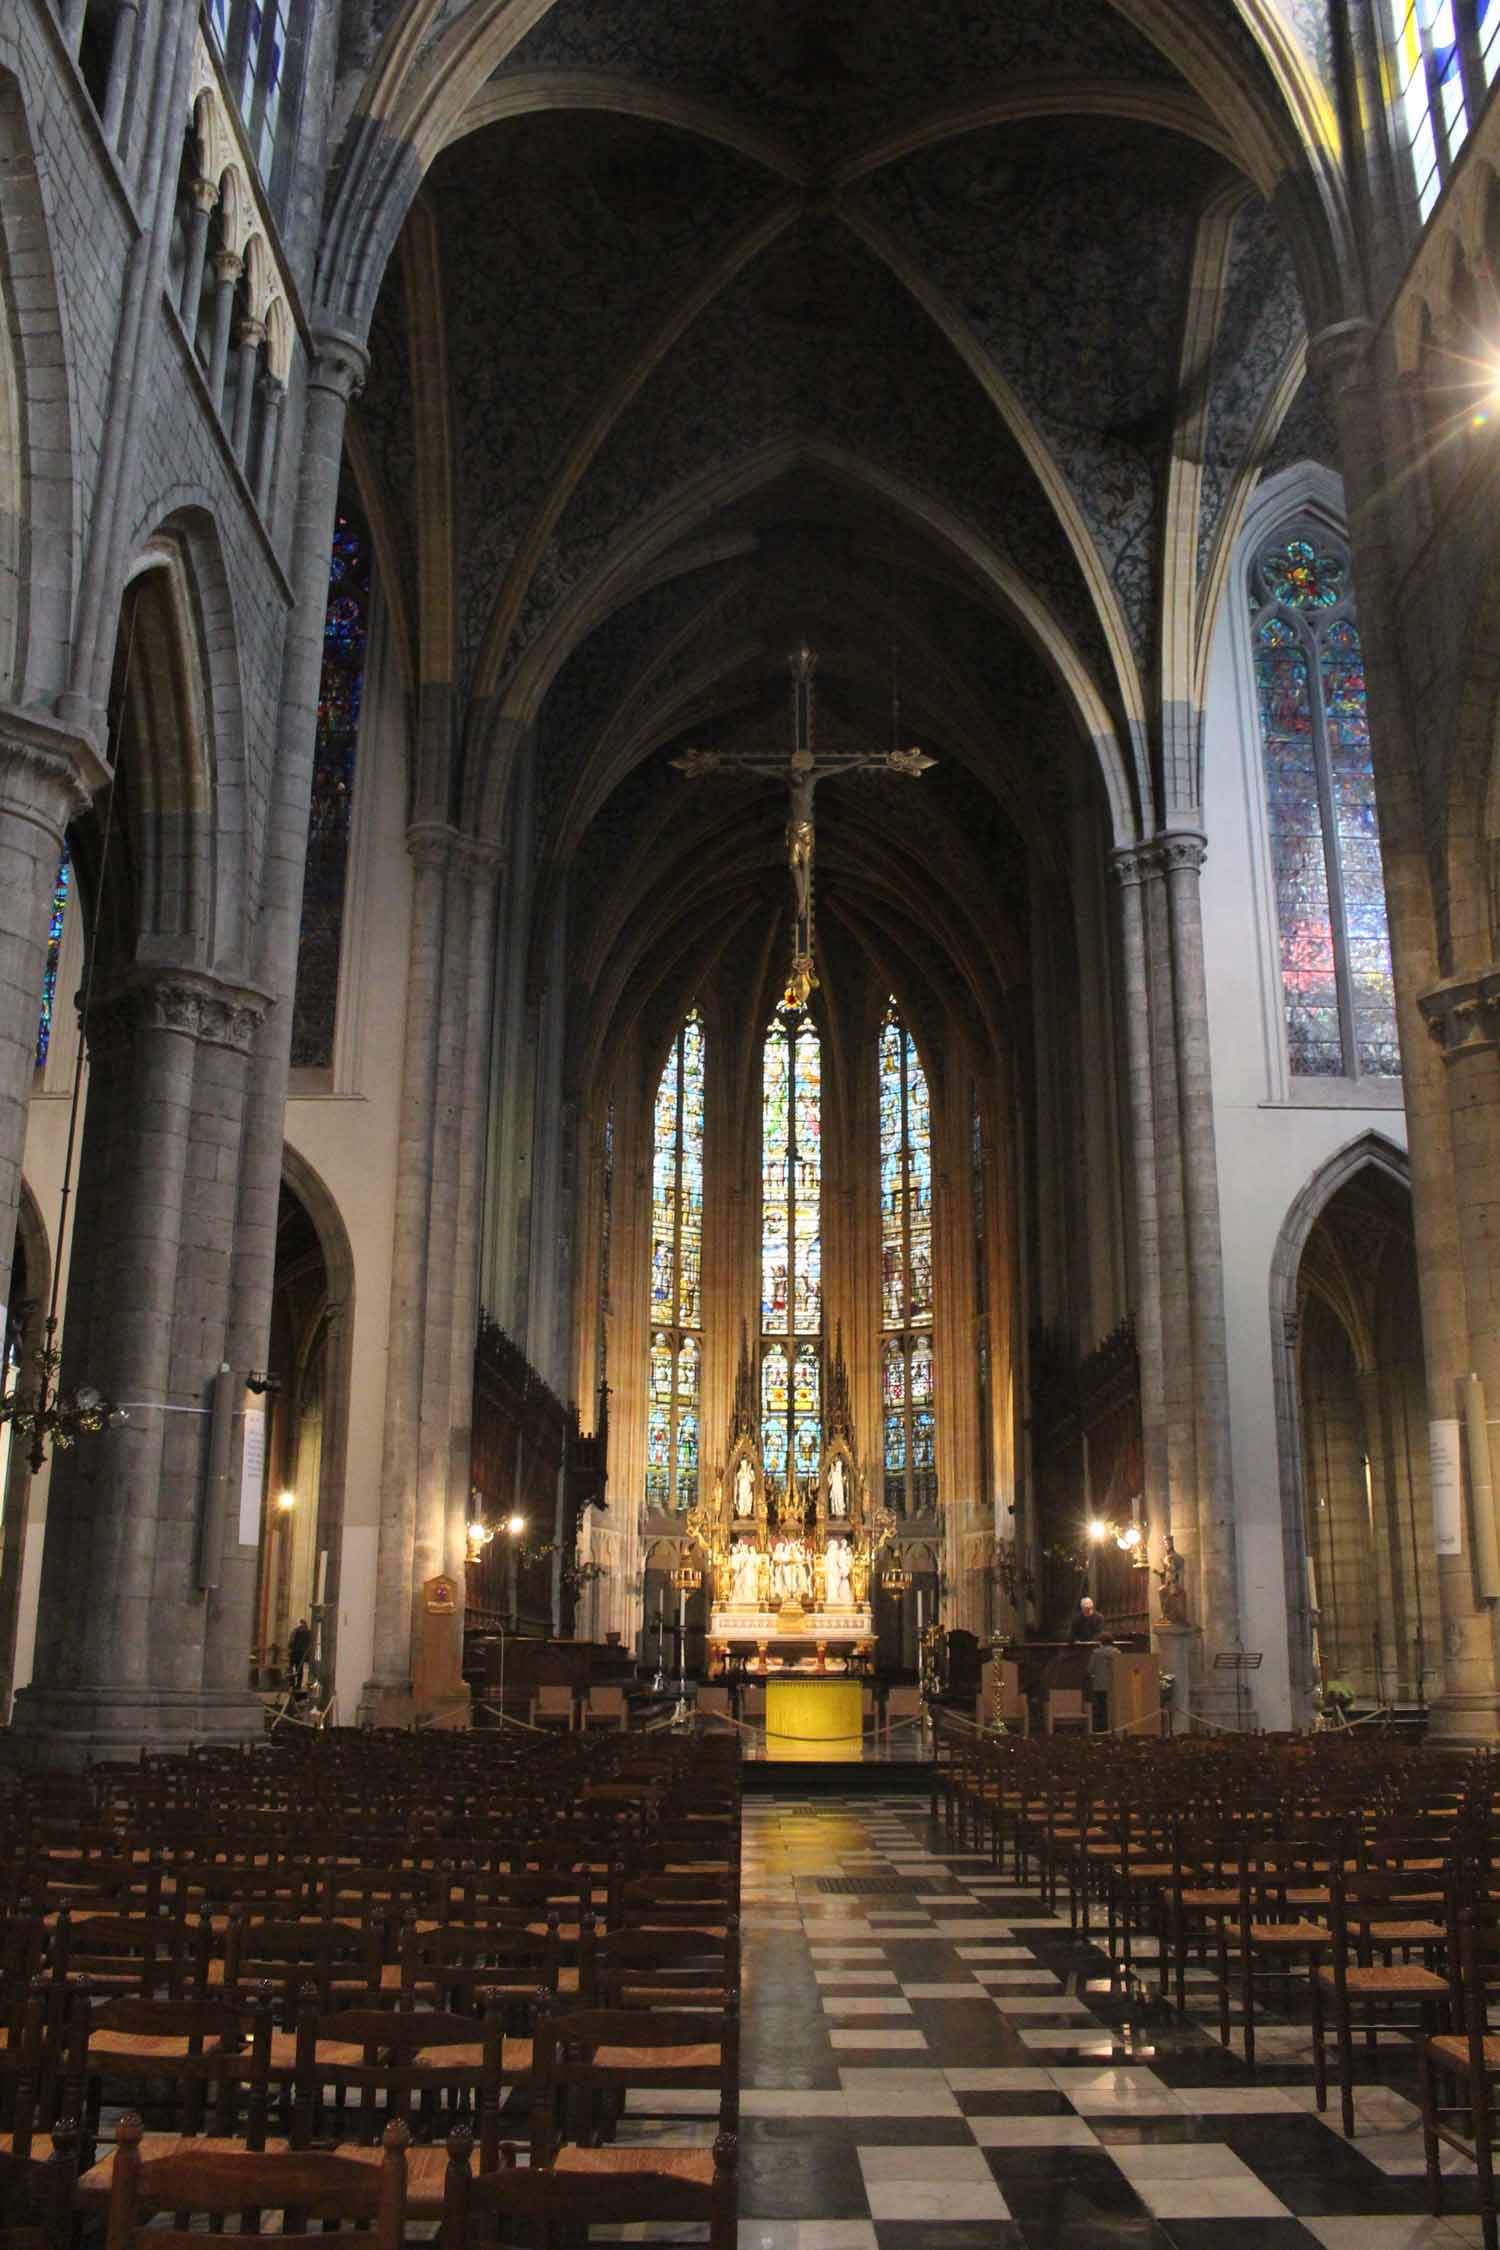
(1338, 998)
(1445, 54)
(791, 1258)
(676, 1273)
(54, 955)
(346, 627)
(252, 36)
(906, 1270)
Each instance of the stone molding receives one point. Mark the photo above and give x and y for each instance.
(479, 861)
(196, 1006)
(1463, 1013)
(48, 775)
(1341, 357)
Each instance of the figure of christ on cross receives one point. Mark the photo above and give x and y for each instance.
(803, 770)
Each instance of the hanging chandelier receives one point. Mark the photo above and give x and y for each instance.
(50, 1417)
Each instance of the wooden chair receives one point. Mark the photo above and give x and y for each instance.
(546, 2208)
(645, 1968)
(553, 1703)
(1375, 1914)
(1067, 1711)
(36, 2194)
(296, 2187)
(205, 2062)
(427, 2068)
(606, 1707)
(588, 2062)
(1466, 2060)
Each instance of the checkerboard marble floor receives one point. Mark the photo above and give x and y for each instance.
(935, 2064)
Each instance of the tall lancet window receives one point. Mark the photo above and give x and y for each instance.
(791, 1258)
(1338, 997)
(906, 1273)
(676, 1268)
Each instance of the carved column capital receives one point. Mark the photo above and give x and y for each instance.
(48, 774)
(479, 861)
(1130, 865)
(430, 845)
(228, 265)
(1181, 851)
(340, 363)
(1463, 1013)
(186, 1001)
(203, 194)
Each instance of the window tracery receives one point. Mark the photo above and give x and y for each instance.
(672, 1419)
(907, 1391)
(1338, 996)
(1445, 54)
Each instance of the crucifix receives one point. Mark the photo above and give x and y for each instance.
(803, 770)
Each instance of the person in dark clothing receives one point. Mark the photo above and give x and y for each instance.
(299, 1649)
(1087, 1623)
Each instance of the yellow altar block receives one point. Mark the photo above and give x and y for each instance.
(813, 1717)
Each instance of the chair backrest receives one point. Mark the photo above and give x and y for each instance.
(36, 2194)
(903, 1702)
(553, 2206)
(607, 1701)
(595, 2051)
(296, 2188)
(552, 1697)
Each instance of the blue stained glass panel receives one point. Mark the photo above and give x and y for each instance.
(54, 955)
(676, 1258)
(895, 1445)
(791, 1243)
(331, 810)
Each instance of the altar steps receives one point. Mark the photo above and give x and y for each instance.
(836, 1777)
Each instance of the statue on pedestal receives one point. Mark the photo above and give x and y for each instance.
(744, 1562)
(838, 1494)
(744, 1488)
(838, 1563)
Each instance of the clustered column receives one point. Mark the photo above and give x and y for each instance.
(1179, 1256)
(123, 1628)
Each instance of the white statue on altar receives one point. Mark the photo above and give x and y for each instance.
(744, 1487)
(838, 1564)
(744, 1573)
(788, 1568)
(838, 1497)
(802, 1565)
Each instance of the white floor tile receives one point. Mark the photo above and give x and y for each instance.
(875, 2041)
(936, 2201)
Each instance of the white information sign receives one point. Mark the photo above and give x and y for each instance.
(253, 1475)
(1447, 1487)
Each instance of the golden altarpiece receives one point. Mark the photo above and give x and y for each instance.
(790, 1565)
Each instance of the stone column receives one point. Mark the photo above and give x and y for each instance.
(228, 266)
(1129, 872)
(205, 197)
(334, 377)
(480, 864)
(1376, 425)
(121, 56)
(249, 338)
(1182, 859)
(1179, 1443)
(433, 1550)
(123, 1629)
(430, 849)
(274, 393)
(45, 780)
(1463, 1015)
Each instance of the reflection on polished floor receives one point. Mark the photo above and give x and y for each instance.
(932, 2063)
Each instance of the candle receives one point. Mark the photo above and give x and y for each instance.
(919, 1613)
(322, 1576)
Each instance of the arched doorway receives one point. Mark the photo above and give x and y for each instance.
(1363, 1574)
(302, 1513)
